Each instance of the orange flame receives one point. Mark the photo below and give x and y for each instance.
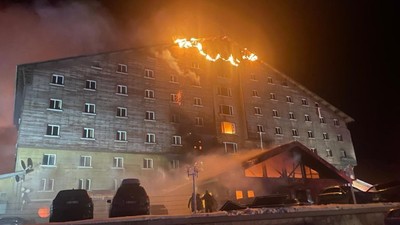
(196, 43)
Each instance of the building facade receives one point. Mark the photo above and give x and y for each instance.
(90, 121)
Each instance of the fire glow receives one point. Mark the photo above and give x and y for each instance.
(196, 43)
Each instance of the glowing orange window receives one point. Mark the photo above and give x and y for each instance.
(228, 128)
(239, 194)
(250, 194)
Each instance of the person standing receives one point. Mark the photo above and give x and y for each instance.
(208, 201)
(199, 204)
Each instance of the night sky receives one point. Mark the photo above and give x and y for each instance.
(344, 51)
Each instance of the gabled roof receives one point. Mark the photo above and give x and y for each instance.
(307, 157)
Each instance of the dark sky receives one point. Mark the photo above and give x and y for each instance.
(344, 51)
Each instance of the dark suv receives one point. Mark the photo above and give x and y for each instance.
(342, 195)
(71, 205)
(130, 200)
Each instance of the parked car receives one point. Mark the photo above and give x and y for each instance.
(71, 205)
(131, 199)
(386, 192)
(276, 200)
(393, 217)
(14, 220)
(341, 194)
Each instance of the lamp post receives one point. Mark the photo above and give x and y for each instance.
(194, 172)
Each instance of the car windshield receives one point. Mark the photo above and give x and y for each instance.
(130, 191)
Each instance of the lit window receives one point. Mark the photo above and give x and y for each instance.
(239, 194)
(230, 147)
(90, 108)
(307, 118)
(90, 84)
(325, 136)
(176, 140)
(147, 163)
(328, 153)
(149, 73)
(269, 80)
(226, 109)
(295, 133)
(275, 113)
(278, 130)
(197, 102)
(250, 194)
(289, 99)
(255, 93)
(88, 133)
(84, 184)
(336, 122)
(122, 68)
(150, 115)
(228, 128)
(57, 79)
(173, 79)
(304, 101)
(55, 104)
(53, 130)
(121, 135)
(291, 116)
(46, 185)
(49, 160)
(122, 112)
(339, 137)
(257, 111)
(85, 161)
(149, 94)
(199, 121)
(122, 89)
(174, 164)
(150, 138)
(224, 91)
(272, 96)
(310, 134)
(118, 162)
(260, 128)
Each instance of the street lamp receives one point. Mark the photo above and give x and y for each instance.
(194, 172)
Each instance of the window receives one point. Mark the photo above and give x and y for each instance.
(307, 118)
(96, 65)
(197, 101)
(228, 128)
(195, 81)
(55, 104)
(253, 77)
(224, 75)
(291, 116)
(230, 147)
(84, 184)
(53, 130)
(57, 79)
(278, 130)
(335, 122)
(329, 153)
(295, 133)
(322, 120)
(174, 164)
(90, 84)
(224, 91)
(90, 108)
(272, 96)
(198, 121)
(46, 184)
(149, 73)
(275, 113)
(149, 94)
(255, 93)
(343, 154)
(150, 115)
(118, 162)
(150, 138)
(122, 89)
(325, 136)
(122, 68)
(195, 65)
(284, 83)
(85, 161)
(239, 194)
(147, 163)
(173, 79)
(310, 134)
(226, 109)
(122, 112)
(269, 80)
(88, 133)
(314, 150)
(49, 160)
(260, 129)
(174, 98)
(121, 135)
(175, 118)
(304, 101)
(289, 99)
(257, 111)
(176, 140)
(339, 137)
